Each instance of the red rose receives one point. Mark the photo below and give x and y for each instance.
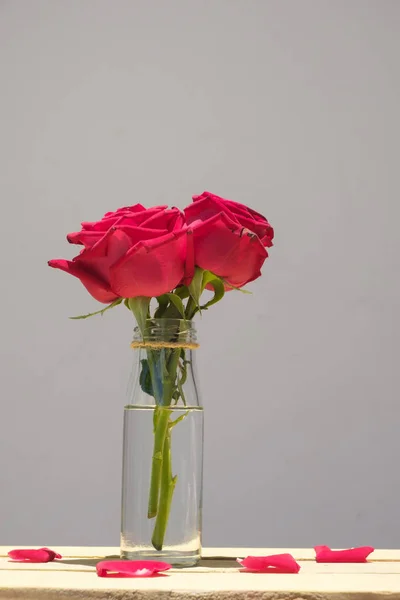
(229, 238)
(157, 217)
(130, 252)
(210, 204)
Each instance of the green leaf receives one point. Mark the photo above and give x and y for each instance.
(99, 312)
(180, 389)
(200, 280)
(236, 288)
(170, 305)
(182, 366)
(217, 285)
(182, 291)
(163, 303)
(145, 378)
(195, 287)
(177, 302)
(140, 308)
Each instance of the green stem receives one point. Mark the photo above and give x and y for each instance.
(172, 369)
(166, 492)
(191, 309)
(162, 484)
(161, 418)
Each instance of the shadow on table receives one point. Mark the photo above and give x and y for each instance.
(209, 563)
(88, 562)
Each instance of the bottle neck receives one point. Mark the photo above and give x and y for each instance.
(166, 333)
(164, 356)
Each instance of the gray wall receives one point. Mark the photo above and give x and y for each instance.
(291, 106)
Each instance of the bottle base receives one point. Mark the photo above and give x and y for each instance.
(175, 558)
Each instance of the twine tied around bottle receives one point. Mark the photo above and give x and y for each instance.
(160, 345)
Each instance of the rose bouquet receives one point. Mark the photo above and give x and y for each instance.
(134, 255)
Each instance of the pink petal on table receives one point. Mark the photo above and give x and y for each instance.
(276, 563)
(42, 555)
(352, 555)
(130, 568)
(52, 553)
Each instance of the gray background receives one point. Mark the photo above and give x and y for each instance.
(290, 106)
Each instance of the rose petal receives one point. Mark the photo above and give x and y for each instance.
(352, 555)
(171, 219)
(189, 262)
(276, 563)
(85, 238)
(124, 215)
(130, 568)
(53, 554)
(92, 265)
(113, 245)
(205, 207)
(138, 234)
(98, 288)
(127, 210)
(42, 555)
(207, 204)
(151, 267)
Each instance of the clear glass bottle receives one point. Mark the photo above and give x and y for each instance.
(163, 447)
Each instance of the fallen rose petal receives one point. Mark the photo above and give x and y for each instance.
(130, 568)
(42, 555)
(352, 555)
(52, 553)
(276, 563)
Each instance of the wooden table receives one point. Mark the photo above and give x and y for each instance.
(217, 578)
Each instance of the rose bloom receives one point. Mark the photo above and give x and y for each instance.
(131, 252)
(230, 239)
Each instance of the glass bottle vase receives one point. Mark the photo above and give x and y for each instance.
(163, 447)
